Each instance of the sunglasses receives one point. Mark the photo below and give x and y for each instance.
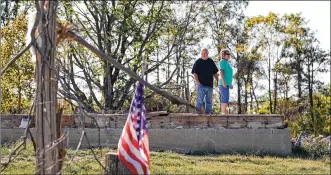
(227, 54)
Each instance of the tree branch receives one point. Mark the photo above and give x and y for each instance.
(173, 99)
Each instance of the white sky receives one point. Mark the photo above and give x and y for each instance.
(317, 12)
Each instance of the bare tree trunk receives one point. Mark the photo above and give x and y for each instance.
(256, 100)
(46, 130)
(178, 67)
(158, 68)
(286, 91)
(239, 86)
(246, 94)
(269, 81)
(251, 93)
(299, 79)
(275, 92)
(310, 91)
(19, 108)
(187, 89)
(168, 66)
(108, 85)
(286, 99)
(183, 84)
(275, 84)
(146, 78)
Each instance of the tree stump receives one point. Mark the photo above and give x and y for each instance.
(114, 166)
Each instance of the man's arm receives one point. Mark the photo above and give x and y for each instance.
(215, 72)
(194, 72)
(216, 77)
(196, 78)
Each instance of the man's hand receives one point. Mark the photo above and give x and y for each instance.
(224, 85)
(197, 82)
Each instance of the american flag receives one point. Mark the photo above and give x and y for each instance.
(133, 145)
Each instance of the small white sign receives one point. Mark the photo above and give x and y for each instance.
(24, 123)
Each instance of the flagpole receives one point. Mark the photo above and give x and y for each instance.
(136, 127)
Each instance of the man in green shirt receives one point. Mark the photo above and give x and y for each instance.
(225, 81)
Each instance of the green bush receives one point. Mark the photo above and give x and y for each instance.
(313, 148)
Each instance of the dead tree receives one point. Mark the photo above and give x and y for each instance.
(47, 137)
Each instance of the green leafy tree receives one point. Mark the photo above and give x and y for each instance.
(17, 82)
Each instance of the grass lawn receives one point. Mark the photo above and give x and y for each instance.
(174, 163)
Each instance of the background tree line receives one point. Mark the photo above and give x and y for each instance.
(277, 59)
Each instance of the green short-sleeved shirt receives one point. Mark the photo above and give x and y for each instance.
(228, 72)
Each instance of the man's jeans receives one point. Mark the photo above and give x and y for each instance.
(204, 92)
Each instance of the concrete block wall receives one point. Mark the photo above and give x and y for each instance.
(220, 140)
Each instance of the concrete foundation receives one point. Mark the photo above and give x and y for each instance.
(220, 140)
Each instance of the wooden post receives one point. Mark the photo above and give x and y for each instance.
(47, 159)
(114, 166)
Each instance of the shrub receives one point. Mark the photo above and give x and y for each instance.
(313, 148)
